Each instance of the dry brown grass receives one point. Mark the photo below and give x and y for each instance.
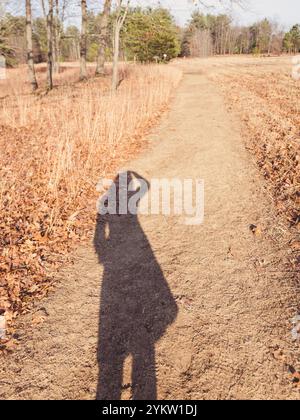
(53, 150)
(263, 91)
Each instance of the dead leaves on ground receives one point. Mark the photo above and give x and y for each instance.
(295, 375)
(270, 109)
(269, 106)
(48, 205)
(256, 230)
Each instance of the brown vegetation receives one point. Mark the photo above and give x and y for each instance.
(268, 98)
(52, 156)
(264, 94)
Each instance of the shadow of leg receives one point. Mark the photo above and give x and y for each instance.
(110, 377)
(143, 373)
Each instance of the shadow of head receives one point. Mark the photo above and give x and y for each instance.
(123, 195)
(136, 304)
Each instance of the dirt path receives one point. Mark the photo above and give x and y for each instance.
(203, 310)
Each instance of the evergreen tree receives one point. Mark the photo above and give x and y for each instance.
(150, 35)
(291, 40)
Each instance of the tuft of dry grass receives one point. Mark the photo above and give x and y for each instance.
(53, 150)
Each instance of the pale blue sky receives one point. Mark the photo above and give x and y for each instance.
(286, 12)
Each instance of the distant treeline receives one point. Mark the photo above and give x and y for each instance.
(216, 34)
(149, 34)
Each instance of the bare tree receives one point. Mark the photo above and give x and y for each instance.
(30, 61)
(3, 6)
(48, 14)
(83, 41)
(50, 44)
(201, 44)
(103, 38)
(61, 7)
(121, 14)
(55, 40)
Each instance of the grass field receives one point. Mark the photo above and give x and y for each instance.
(267, 98)
(53, 150)
(195, 312)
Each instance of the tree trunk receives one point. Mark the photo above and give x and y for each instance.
(54, 49)
(55, 37)
(118, 26)
(115, 76)
(30, 61)
(83, 71)
(270, 44)
(103, 38)
(50, 46)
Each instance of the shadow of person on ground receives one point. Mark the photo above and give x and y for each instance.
(136, 303)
